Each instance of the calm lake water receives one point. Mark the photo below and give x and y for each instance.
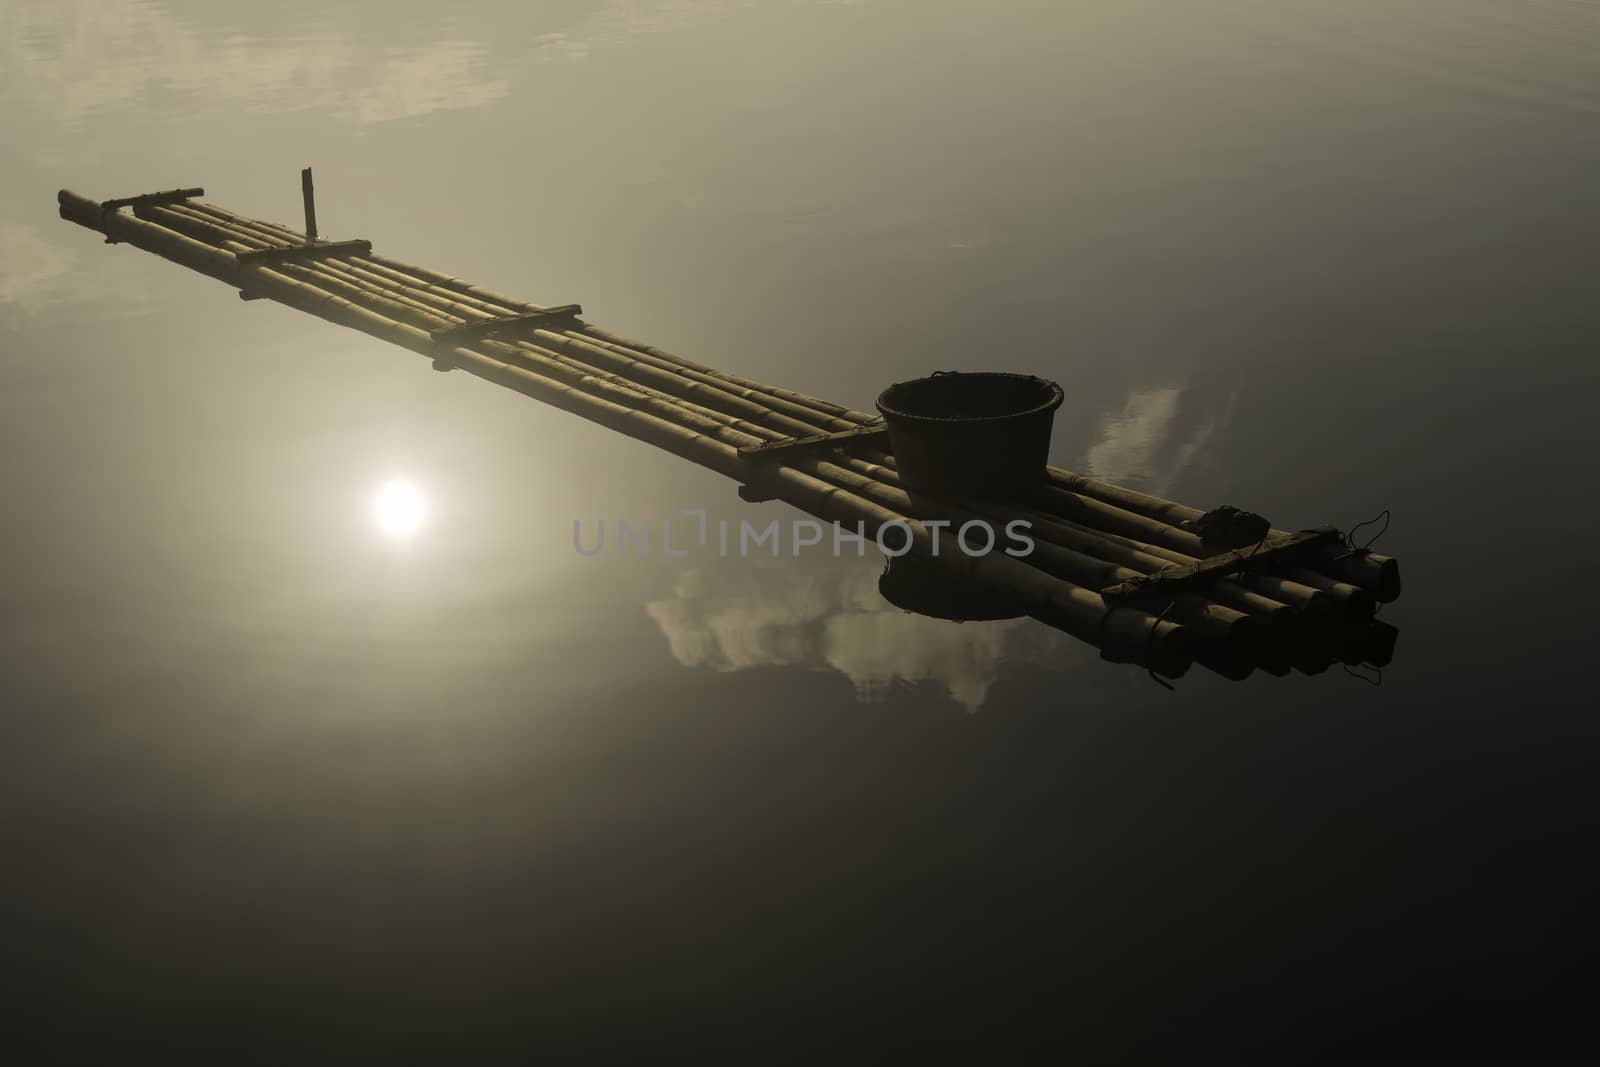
(275, 779)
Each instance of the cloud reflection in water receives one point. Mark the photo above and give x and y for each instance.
(31, 266)
(1158, 434)
(76, 58)
(759, 614)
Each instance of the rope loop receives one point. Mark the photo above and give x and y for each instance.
(1149, 642)
(1350, 538)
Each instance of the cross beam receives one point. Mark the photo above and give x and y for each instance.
(789, 447)
(1222, 563)
(454, 336)
(170, 196)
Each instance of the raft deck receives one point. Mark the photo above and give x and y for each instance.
(1146, 580)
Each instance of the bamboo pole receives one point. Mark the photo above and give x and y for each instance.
(746, 405)
(794, 417)
(1296, 584)
(1358, 604)
(1161, 538)
(1369, 570)
(1224, 626)
(1276, 579)
(832, 416)
(1236, 630)
(1122, 632)
(821, 407)
(1359, 580)
(1079, 570)
(1124, 552)
(391, 294)
(1234, 633)
(1137, 556)
(319, 272)
(308, 194)
(1350, 572)
(1259, 594)
(350, 281)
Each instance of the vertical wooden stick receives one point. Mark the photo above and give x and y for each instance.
(310, 197)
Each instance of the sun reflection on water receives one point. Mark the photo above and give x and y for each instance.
(400, 509)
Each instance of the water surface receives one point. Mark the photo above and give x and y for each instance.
(268, 769)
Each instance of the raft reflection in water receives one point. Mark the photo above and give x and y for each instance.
(1309, 645)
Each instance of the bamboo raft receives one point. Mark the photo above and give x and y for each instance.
(1145, 580)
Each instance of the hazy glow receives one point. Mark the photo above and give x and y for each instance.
(399, 509)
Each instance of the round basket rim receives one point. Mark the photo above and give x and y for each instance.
(1054, 396)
